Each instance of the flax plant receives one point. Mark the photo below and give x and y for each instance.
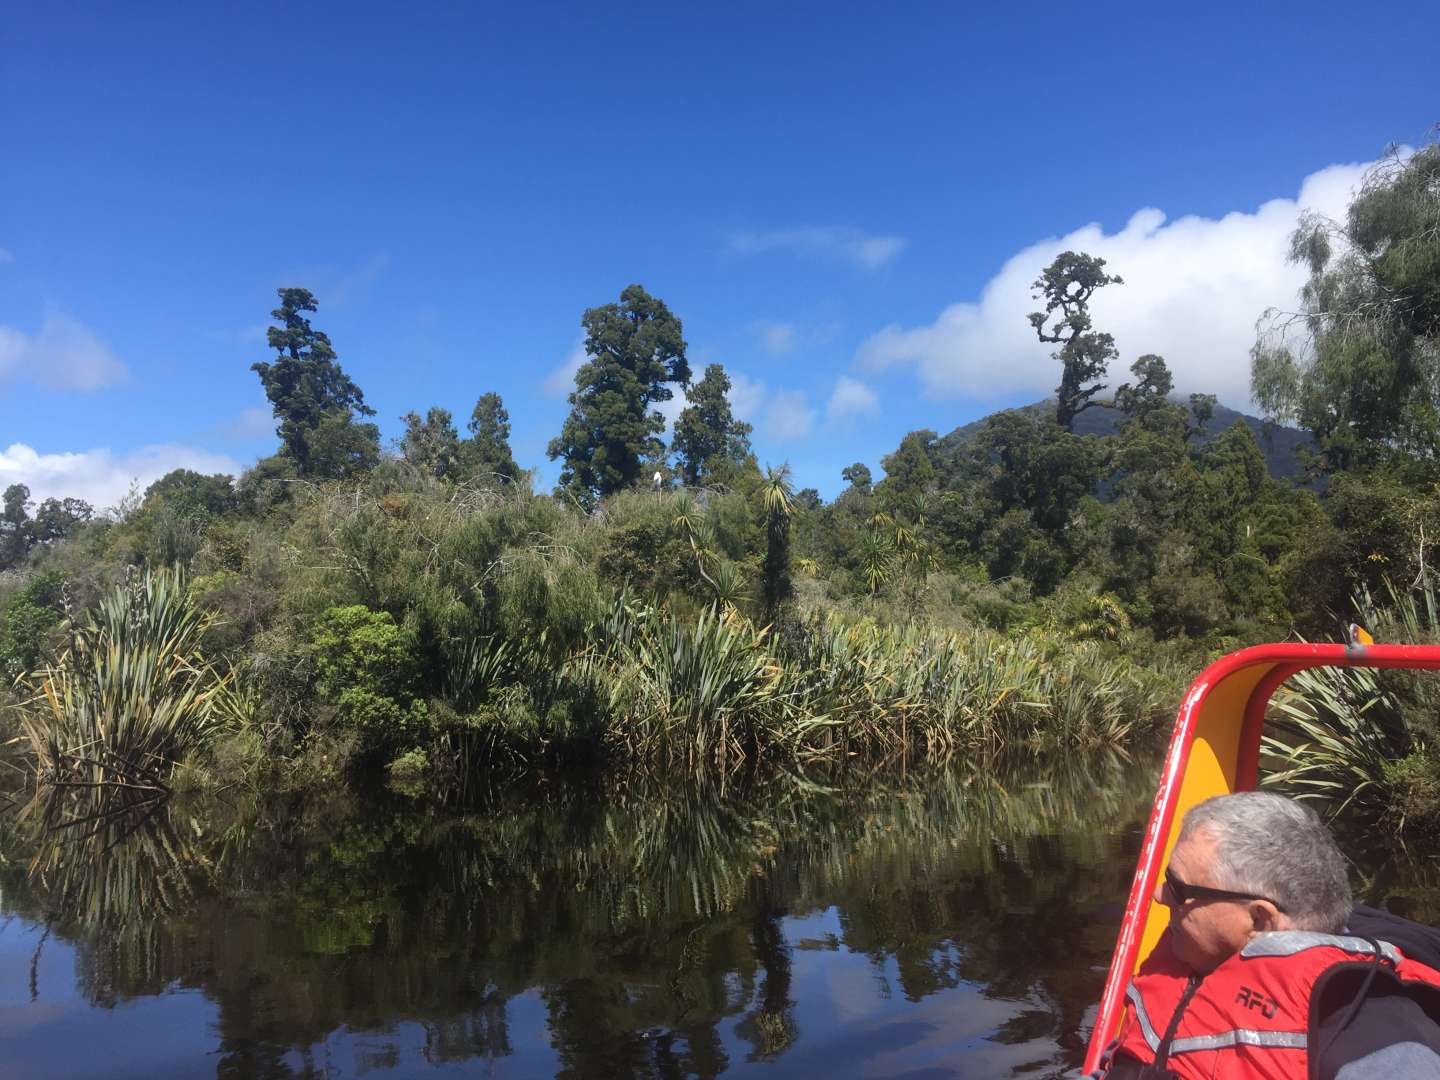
(1362, 741)
(129, 695)
(702, 691)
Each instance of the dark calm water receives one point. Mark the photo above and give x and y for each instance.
(946, 924)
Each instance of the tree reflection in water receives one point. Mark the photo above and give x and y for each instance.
(646, 923)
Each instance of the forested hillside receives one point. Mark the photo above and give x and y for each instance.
(1287, 450)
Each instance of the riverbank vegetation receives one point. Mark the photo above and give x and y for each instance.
(675, 606)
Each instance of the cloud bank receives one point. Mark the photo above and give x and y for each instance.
(64, 354)
(101, 477)
(837, 243)
(1194, 288)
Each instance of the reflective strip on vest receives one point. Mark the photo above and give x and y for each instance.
(1290, 942)
(1143, 1018)
(1290, 1040)
(1241, 1037)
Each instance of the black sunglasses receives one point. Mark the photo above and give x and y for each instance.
(1176, 893)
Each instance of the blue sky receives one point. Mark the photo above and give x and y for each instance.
(844, 208)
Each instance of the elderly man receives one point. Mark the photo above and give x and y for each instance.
(1265, 970)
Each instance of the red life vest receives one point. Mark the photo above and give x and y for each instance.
(1251, 1016)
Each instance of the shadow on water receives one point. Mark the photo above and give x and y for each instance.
(860, 925)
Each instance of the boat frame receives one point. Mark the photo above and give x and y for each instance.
(1215, 750)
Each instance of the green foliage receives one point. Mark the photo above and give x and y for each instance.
(857, 476)
(487, 455)
(709, 442)
(191, 494)
(1362, 741)
(1066, 286)
(909, 471)
(130, 693)
(1026, 478)
(432, 445)
(32, 615)
(337, 448)
(694, 692)
(366, 667)
(1358, 364)
(17, 531)
(409, 772)
(1150, 391)
(266, 485)
(312, 397)
(877, 559)
(775, 581)
(635, 349)
(1021, 580)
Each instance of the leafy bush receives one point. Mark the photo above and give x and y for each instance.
(32, 617)
(366, 667)
(408, 772)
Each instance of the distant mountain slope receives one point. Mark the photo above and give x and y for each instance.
(1280, 445)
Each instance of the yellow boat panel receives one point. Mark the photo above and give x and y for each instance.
(1211, 769)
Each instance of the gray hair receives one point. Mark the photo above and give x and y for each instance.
(1277, 848)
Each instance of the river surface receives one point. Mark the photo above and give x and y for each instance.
(951, 923)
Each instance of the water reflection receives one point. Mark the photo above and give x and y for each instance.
(853, 924)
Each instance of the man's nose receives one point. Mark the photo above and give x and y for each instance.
(1158, 893)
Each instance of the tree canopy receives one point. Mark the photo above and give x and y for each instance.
(1359, 363)
(1066, 286)
(432, 445)
(708, 441)
(636, 351)
(487, 455)
(312, 397)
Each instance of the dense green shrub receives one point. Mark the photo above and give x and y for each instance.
(30, 621)
(366, 667)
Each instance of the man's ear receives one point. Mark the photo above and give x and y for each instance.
(1264, 916)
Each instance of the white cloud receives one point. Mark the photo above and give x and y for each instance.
(561, 380)
(837, 242)
(12, 346)
(788, 416)
(777, 338)
(782, 338)
(64, 354)
(851, 399)
(102, 477)
(746, 395)
(1193, 291)
(672, 409)
(780, 415)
